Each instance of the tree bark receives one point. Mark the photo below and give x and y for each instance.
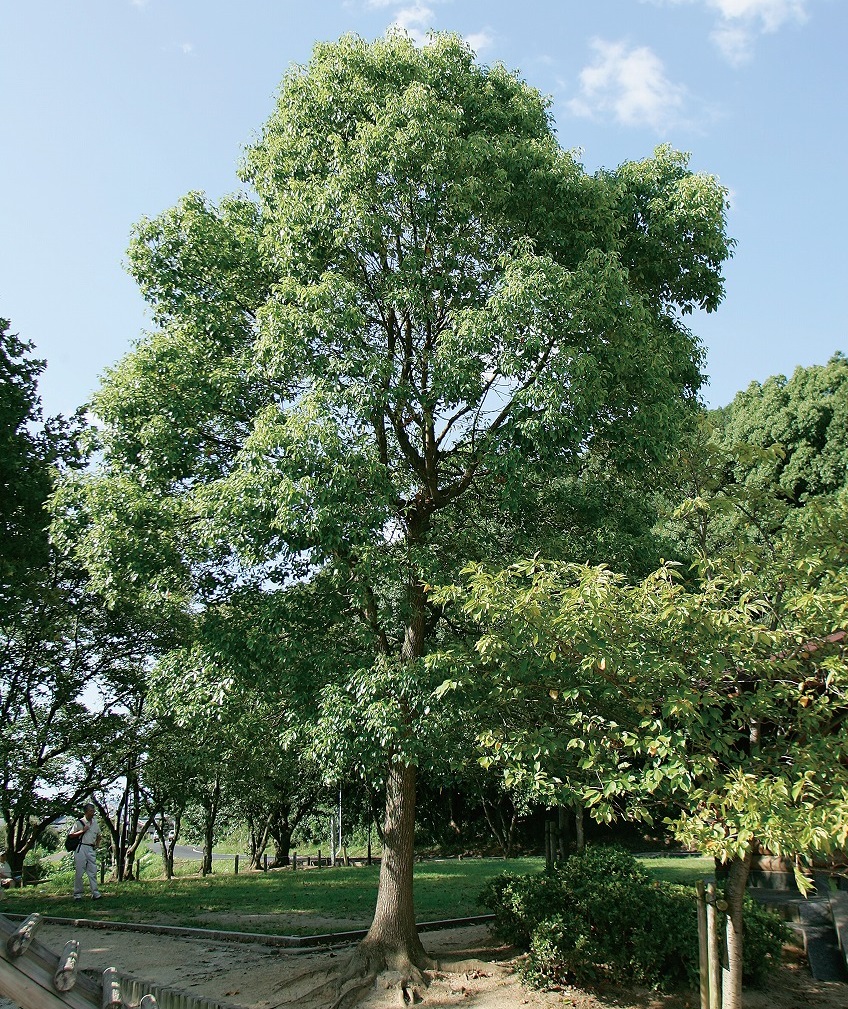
(579, 834)
(282, 844)
(502, 828)
(210, 817)
(392, 942)
(734, 894)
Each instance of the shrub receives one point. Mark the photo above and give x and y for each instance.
(35, 868)
(50, 840)
(600, 916)
(765, 934)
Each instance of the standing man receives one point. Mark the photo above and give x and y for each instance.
(87, 829)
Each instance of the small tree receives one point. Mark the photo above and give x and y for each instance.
(731, 704)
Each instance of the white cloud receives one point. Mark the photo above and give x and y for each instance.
(629, 84)
(734, 42)
(187, 48)
(770, 14)
(739, 22)
(416, 20)
(479, 41)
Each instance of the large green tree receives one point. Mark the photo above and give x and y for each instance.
(750, 466)
(804, 419)
(424, 299)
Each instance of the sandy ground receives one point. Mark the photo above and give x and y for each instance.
(475, 972)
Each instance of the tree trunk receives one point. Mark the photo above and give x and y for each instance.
(579, 834)
(392, 942)
(734, 894)
(503, 829)
(210, 818)
(282, 844)
(259, 833)
(561, 834)
(168, 846)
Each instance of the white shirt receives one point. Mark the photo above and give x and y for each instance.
(91, 831)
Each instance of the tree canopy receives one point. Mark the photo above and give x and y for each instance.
(804, 419)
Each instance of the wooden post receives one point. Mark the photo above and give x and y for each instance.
(111, 989)
(265, 863)
(66, 973)
(102, 870)
(235, 864)
(713, 948)
(368, 862)
(319, 858)
(549, 855)
(294, 861)
(18, 941)
(703, 956)
(345, 855)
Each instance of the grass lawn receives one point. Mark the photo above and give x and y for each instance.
(442, 890)
(685, 870)
(287, 903)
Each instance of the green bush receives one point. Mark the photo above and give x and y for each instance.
(50, 840)
(600, 916)
(765, 935)
(35, 868)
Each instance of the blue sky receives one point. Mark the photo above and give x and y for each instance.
(113, 109)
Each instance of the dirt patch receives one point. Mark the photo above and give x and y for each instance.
(476, 972)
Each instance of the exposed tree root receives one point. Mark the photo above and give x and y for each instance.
(408, 972)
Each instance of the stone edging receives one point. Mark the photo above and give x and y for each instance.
(284, 941)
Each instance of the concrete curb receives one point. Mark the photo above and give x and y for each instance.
(283, 941)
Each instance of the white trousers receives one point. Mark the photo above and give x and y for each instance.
(85, 862)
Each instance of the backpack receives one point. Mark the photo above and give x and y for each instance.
(72, 843)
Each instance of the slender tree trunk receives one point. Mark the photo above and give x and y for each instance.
(579, 834)
(168, 847)
(503, 829)
(208, 843)
(561, 834)
(210, 817)
(258, 844)
(734, 894)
